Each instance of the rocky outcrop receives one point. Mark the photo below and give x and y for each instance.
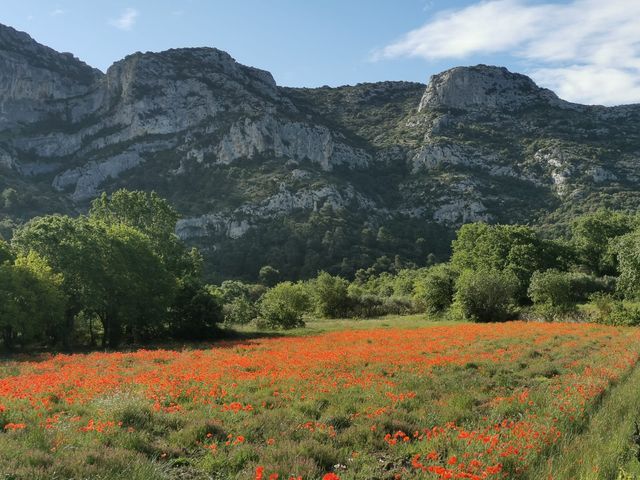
(442, 155)
(6, 160)
(291, 140)
(484, 86)
(236, 223)
(35, 79)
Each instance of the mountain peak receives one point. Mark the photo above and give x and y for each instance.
(32, 76)
(20, 47)
(483, 86)
(204, 63)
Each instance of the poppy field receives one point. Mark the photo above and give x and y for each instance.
(453, 401)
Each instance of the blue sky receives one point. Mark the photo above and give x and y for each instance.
(586, 50)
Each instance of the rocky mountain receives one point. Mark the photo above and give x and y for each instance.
(302, 179)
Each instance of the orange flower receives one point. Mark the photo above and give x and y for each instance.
(14, 426)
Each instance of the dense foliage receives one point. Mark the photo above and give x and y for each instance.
(120, 274)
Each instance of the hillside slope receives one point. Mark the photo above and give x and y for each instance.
(303, 179)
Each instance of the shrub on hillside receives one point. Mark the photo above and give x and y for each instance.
(556, 294)
(486, 295)
(196, 312)
(606, 309)
(330, 295)
(283, 306)
(433, 292)
(550, 292)
(239, 311)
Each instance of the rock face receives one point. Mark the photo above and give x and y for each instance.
(34, 80)
(239, 155)
(483, 86)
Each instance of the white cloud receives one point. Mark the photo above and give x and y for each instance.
(585, 50)
(126, 20)
(57, 12)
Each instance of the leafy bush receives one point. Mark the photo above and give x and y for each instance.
(556, 294)
(627, 250)
(625, 314)
(330, 295)
(196, 312)
(366, 306)
(433, 292)
(239, 311)
(283, 306)
(606, 309)
(486, 295)
(551, 293)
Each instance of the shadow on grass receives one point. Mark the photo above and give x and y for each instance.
(225, 338)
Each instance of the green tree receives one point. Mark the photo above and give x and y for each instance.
(76, 249)
(138, 288)
(592, 236)
(239, 311)
(283, 306)
(9, 199)
(232, 289)
(627, 252)
(151, 215)
(514, 248)
(31, 301)
(486, 295)
(269, 276)
(238, 298)
(196, 312)
(6, 254)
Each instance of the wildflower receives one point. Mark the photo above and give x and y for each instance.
(15, 426)
(331, 476)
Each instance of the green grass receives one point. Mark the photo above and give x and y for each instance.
(604, 447)
(316, 326)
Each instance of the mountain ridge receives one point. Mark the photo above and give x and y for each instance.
(375, 170)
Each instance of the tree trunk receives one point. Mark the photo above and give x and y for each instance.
(67, 329)
(115, 331)
(7, 337)
(92, 338)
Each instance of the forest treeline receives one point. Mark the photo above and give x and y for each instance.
(120, 275)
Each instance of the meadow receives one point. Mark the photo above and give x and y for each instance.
(396, 398)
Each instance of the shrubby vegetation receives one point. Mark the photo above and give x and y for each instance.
(433, 290)
(283, 306)
(119, 274)
(486, 295)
